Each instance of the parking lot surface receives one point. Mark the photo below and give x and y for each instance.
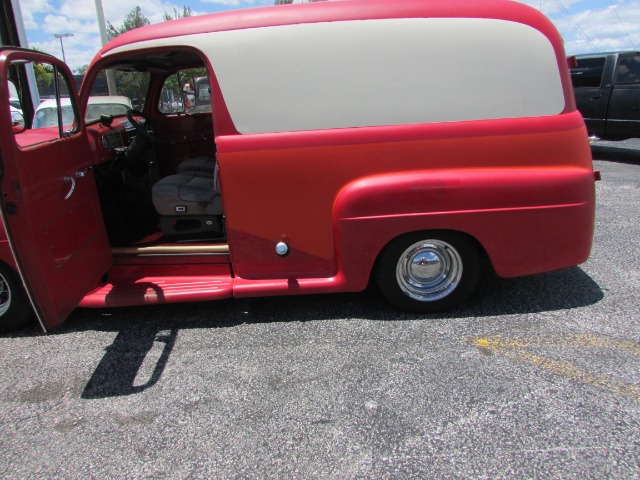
(537, 377)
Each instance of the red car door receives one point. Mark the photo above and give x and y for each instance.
(50, 206)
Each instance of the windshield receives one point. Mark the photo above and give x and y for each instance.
(48, 116)
(123, 83)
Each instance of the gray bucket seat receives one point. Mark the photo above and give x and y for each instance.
(189, 202)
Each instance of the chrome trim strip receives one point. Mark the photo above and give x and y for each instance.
(168, 250)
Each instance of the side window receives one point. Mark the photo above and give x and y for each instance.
(588, 72)
(628, 71)
(186, 91)
(56, 114)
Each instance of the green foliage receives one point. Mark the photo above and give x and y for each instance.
(131, 84)
(186, 12)
(44, 74)
(186, 75)
(43, 71)
(134, 19)
(283, 2)
(135, 84)
(83, 69)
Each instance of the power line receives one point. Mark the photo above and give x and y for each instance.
(576, 25)
(615, 10)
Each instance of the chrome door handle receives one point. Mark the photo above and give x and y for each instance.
(72, 181)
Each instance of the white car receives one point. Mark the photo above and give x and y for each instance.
(46, 114)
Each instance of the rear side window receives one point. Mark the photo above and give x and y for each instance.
(628, 71)
(588, 72)
(186, 91)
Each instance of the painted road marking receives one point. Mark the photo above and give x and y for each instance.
(519, 350)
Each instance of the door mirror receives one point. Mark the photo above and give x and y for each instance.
(17, 121)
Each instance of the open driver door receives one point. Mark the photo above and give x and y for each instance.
(50, 205)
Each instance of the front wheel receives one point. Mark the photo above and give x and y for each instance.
(15, 309)
(428, 271)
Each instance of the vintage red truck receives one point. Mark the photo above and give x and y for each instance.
(346, 140)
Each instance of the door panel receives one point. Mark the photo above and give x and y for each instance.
(592, 91)
(624, 108)
(592, 103)
(49, 199)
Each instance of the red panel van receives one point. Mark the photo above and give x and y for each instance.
(345, 140)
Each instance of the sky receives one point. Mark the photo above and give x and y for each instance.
(587, 26)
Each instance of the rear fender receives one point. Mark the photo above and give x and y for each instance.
(527, 220)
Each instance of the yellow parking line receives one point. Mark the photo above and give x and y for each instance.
(518, 350)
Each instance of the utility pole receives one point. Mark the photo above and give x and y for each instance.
(111, 79)
(60, 36)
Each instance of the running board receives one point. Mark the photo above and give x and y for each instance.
(157, 290)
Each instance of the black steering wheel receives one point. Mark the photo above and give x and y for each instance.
(146, 129)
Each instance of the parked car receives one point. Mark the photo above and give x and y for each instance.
(607, 90)
(397, 142)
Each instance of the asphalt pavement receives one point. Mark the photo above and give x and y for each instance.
(537, 377)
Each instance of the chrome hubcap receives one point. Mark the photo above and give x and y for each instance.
(5, 296)
(429, 270)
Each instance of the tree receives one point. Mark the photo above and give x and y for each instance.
(186, 12)
(43, 71)
(130, 84)
(83, 69)
(134, 84)
(283, 2)
(134, 19)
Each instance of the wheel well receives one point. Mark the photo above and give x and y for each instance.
(4, 264)
(482, 253)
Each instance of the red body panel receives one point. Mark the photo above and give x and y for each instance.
(337, 197)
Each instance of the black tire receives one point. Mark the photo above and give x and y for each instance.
(428, 271)
(15, 308)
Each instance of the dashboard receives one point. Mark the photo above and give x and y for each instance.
(107, 141)
(112, 140)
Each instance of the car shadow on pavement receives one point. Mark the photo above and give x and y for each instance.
(616, 154)
(146, 335)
